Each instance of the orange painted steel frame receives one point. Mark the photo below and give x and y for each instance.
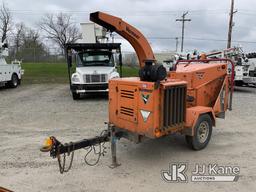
(207, 85)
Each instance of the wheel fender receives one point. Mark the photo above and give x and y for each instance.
(192, 115)
(15, 74)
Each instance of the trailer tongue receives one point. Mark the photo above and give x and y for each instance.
(57, 149)
(185, 101)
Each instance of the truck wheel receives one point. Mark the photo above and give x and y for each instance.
(14, 81)
(239, 83)
(75, 95)
(202, 133)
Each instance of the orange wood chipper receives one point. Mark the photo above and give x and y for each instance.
(157, 103)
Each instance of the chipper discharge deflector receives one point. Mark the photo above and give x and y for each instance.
(157, 103)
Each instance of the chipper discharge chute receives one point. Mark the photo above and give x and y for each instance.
(157, 103)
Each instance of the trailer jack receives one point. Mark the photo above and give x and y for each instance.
(95, 145)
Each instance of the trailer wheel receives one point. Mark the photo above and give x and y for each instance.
(75, 96)
(202, 134)
(14, 81)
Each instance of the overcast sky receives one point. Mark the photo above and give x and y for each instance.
(156, 18)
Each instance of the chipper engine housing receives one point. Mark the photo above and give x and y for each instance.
(142, 108)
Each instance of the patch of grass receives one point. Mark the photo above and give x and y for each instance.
(44, 73)
(130, 71)
(40, 73)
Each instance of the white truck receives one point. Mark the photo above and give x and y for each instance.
(242, 64)
(95, 65)
(95, 61)
(10, 74)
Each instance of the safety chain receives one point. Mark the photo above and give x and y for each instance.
(62, 166)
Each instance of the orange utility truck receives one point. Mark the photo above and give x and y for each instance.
(157, 103)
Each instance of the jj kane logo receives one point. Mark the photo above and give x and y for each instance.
(201, 173)
(176, 173)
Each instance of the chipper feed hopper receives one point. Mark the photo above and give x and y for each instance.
(157, 103)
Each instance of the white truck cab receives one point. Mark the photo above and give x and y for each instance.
(95, 61)
(95, 65)
(10, 74)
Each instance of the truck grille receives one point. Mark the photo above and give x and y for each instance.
(174, 105)
(95, 78)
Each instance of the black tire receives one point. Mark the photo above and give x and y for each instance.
(14, 81)
(202, 134)
(239, 83)
(76, 96)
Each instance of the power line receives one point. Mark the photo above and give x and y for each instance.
(150, 12)
(197, 39)
(246, 13)
(222, 40)
(134, 13)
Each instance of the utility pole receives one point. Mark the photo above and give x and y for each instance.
(231, 24)
(183, 20)
(177, 43)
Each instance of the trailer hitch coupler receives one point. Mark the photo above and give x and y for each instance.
(48, 144)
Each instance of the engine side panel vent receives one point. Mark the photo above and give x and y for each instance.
(174, 105)
(127, 102)
(129, 94)
(127, 111)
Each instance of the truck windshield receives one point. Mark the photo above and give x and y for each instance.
(94, 58)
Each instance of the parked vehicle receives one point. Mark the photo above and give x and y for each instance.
(95, 65)
(244, 64)
(251, 76)
(10, 74)
(95, 61)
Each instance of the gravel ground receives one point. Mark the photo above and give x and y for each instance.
(30, 113)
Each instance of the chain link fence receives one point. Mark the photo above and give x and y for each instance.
(34, 55)
(53, 55)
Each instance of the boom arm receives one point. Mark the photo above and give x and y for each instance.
(130, 33)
